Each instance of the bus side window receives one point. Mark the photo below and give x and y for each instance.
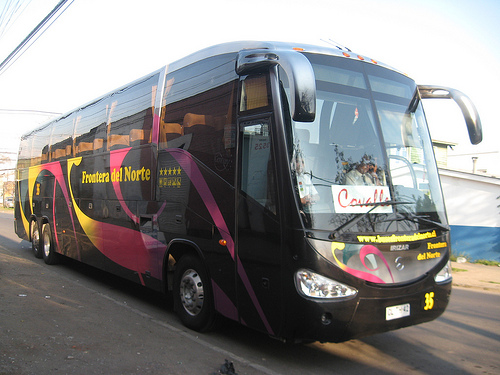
(129, 115)
(199, 113)
(254, 93)
(86, 142)
(39, 149)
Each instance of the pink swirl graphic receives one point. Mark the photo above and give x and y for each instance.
(363, 253)
(370, 249)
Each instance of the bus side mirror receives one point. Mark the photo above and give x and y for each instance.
(300, 75)
(468, 108)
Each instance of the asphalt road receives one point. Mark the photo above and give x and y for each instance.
(73, 319)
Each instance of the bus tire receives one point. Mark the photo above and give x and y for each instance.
(193, 298)
(48, 253)
(35, 239)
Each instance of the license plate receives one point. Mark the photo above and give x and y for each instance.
(396, 312)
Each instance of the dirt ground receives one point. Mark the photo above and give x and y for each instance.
(476, 276)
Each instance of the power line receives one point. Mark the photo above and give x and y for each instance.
(35, 33)
(10, 13)
(29, 111)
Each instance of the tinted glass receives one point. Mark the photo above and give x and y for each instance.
(368, 144)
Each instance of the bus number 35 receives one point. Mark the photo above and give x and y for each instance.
(429, 301)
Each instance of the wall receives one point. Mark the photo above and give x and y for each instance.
(472, 202)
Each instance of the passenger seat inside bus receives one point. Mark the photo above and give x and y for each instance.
(98, 144)
(117, 141)
(203, 132)
(168, 132)
(193, 122)
(139, 137)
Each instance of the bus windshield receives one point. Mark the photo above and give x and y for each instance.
(366, 163)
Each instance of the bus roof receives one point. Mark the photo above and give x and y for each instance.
(232, 47)
(235, 47)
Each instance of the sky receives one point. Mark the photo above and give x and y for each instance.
(96, 46)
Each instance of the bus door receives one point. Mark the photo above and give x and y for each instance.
(258, 247)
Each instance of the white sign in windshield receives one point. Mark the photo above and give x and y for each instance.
(360, 199)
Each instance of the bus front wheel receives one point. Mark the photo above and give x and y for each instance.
(35, 239)
(48, 253)
(193, 300)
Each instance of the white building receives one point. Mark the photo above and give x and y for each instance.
(473, 205)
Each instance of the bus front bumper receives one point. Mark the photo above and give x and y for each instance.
(377, 310)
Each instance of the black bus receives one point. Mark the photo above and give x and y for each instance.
(291, 188)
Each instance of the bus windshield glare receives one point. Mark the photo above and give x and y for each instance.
(366, 163)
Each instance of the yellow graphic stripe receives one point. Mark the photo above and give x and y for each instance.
(90, 227)
(32, 175)
(26, 224)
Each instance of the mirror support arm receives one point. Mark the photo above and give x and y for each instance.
(469, 111)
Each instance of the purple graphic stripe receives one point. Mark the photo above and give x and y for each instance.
(223, 304)
(189, 166)
(56, 170)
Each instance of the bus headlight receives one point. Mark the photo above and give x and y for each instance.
(313, 285)
(444, 275)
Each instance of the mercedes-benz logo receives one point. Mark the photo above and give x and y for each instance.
(399, 263)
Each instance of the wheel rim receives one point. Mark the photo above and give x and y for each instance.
(35, 237)
(191, 292)
(46, 244)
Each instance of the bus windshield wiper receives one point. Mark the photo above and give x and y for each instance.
(419, 218)
(358, 217)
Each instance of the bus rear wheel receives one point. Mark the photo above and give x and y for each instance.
(35, 239)
(48, 253)
(193, 299)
